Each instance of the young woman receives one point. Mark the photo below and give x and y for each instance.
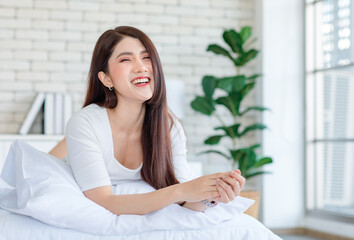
(124, 132)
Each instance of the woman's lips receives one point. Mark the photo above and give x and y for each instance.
(141, 81)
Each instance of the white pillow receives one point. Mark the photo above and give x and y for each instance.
(39, 185)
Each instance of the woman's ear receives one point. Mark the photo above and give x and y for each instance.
(105, 80)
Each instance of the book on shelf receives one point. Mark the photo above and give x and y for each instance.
(58, 114)
(56, 109)
(32, 113)
(67, 110)
(49, 113)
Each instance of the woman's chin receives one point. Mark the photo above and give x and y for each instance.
(148, 98)
(148, 95)
(144, 98)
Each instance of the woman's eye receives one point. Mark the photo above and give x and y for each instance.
(124, 60)
(147, 57)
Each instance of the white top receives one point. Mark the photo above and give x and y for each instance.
(91, 152)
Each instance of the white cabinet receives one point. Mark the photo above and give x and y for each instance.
(43, 143)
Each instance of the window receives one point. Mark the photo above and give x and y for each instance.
(330, 106)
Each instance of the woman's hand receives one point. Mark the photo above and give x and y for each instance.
(201, 188)
(229, 186)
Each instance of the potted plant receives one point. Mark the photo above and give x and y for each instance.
(233, 90)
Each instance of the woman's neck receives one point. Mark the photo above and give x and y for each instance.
(127, 117)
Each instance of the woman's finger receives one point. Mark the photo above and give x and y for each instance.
(223, 195)
(237, 189)
(231, 181)
(239, 178)
(216, 175)
(227, 188)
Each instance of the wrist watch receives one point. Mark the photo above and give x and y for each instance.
(209, 204)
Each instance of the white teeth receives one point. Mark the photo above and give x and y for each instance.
(142, 80)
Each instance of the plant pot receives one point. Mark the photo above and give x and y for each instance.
(253, 210)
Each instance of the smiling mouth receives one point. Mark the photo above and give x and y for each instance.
(143, 81)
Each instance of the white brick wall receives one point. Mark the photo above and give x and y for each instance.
(47, 45)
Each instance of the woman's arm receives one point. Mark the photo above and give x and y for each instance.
(192, 192)
(60, 151)
(137, 204)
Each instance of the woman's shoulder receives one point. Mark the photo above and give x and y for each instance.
(90, 110)
(90, 122)
(89, 114)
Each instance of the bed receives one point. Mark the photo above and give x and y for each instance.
(40, 199)
(18, 227)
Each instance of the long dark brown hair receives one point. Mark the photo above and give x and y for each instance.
(157, 169)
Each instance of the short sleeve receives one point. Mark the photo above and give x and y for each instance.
(84, 154)
(182, 169)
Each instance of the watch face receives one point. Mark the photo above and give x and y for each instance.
(209, 204)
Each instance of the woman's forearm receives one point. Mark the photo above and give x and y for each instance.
(196, 206)
(140, 204)
(192, 192)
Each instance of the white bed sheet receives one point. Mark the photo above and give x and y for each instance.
(37, 189)
(19, 227)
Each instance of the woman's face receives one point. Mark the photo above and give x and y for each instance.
(130, 71)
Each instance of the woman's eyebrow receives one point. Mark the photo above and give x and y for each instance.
(124, 53)
(130, 53)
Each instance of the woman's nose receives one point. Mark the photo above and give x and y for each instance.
(140, 66)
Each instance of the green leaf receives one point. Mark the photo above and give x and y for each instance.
(249, 55)
(231, 102)
(213, 139)
(251, 159)
(238, 62)
(234, 155)
(231, 131)
(233, 39)
(225, 84)
(263, 161)
(248, 87)
(238, 83)
(254, 76)
(217, 152)
(254, 146)
(252, 174)
(251, 148)
(257, 108)
(209, 85)
(247, 159)
(219, 50)
(253, 127)
(228, 103)
(249, 43)
(245, 33)
(240, 154)
(203, 105)
(232, 84)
